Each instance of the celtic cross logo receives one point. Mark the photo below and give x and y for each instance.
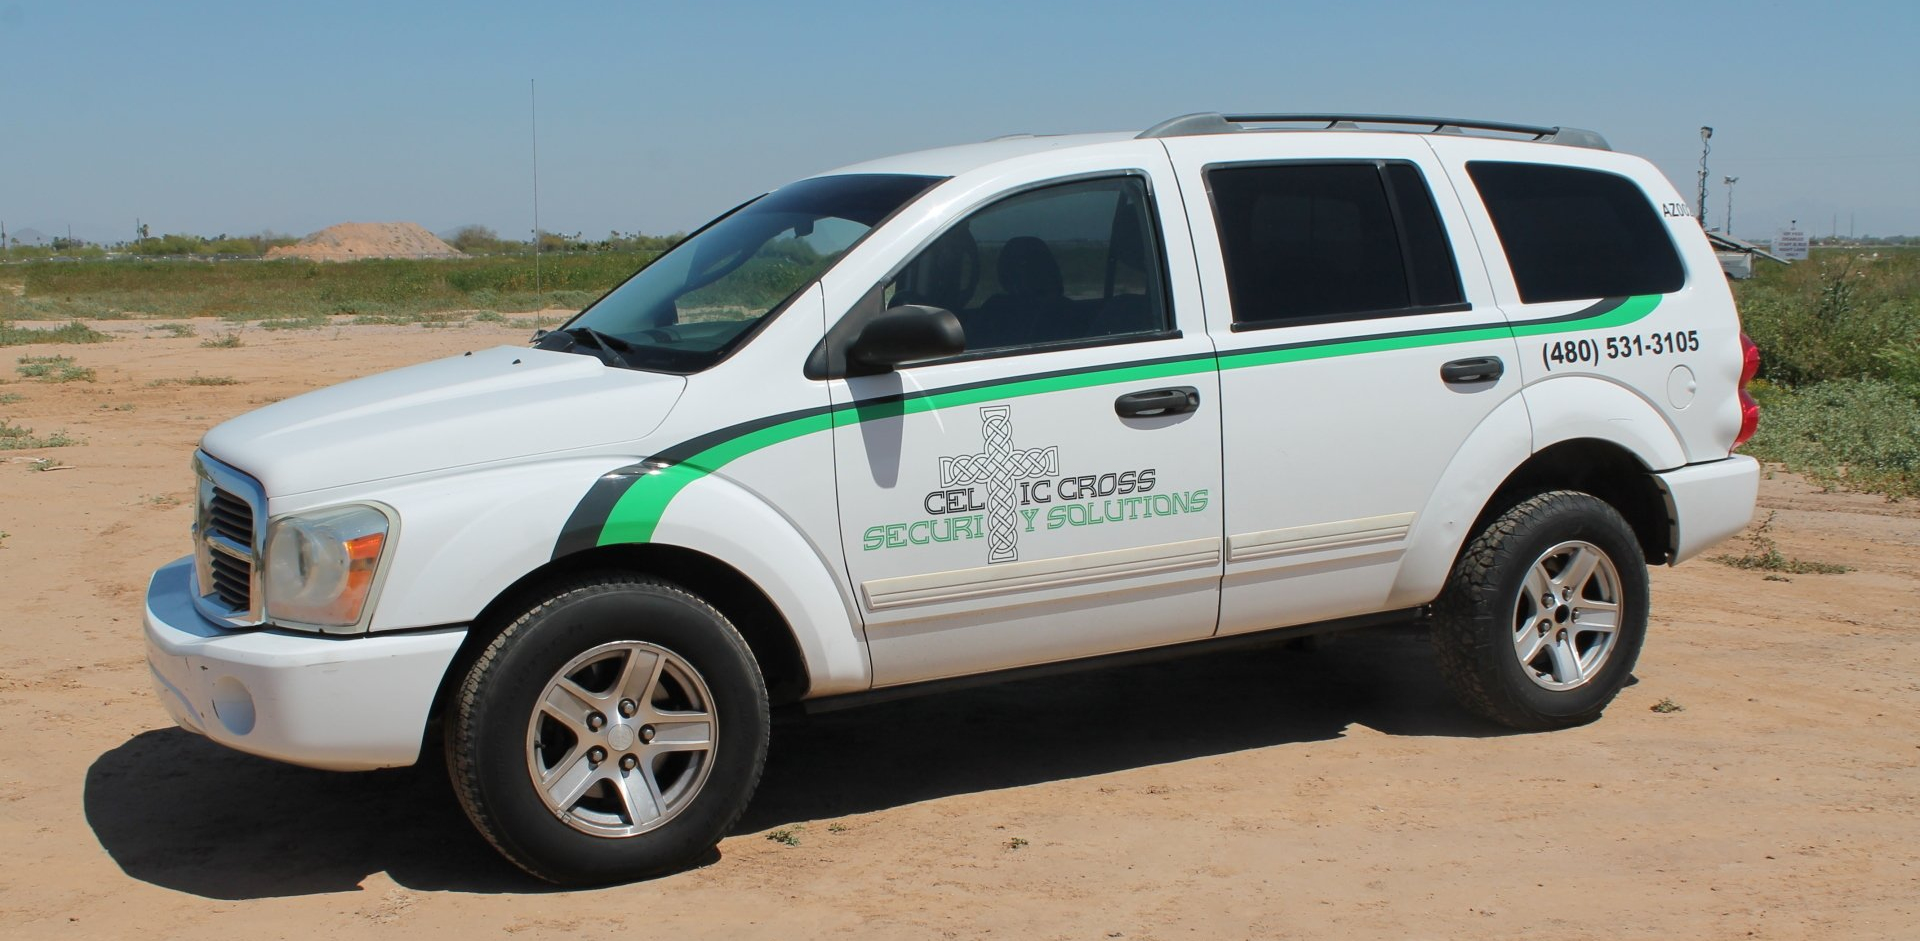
(998, 465)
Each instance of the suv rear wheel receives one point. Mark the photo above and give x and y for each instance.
(1545, 613)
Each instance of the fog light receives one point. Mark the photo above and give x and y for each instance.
(233, 704)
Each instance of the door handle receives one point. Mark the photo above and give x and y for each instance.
(1157, 402)
(1473, 369)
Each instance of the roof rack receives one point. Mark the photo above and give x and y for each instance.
(1213, 122)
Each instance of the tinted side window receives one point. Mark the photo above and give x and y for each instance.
(1305, 242)
(1073, 262)
(1573, 234)
(1430, 266)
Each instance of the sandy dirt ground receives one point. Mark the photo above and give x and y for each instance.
(1278, 794)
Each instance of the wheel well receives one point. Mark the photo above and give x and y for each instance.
(1601, 468)
(766, 631)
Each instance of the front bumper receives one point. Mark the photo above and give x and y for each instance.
(1709, 502)
(338, 703)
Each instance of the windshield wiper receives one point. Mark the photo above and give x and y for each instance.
(606, 347)
(661, 359)
(605, 341)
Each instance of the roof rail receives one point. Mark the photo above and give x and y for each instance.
(1213, 122)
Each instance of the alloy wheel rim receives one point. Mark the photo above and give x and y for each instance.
(622, 739)
(1566, 619)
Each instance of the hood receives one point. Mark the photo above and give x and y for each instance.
(493, 405)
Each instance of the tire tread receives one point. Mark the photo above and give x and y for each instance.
(1467, 616)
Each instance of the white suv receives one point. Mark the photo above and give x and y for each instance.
(971, 410)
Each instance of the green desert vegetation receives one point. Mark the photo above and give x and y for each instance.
(21, 438)
(195, 380)
(12, 334)
(293, 294)
(1763, 554)
(1839, 388)
(52, 369)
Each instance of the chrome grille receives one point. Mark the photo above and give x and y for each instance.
(230, 516)
(227, 543)
(232, 577)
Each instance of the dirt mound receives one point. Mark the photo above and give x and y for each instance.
(351, 240)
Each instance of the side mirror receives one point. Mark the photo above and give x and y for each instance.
(907, 334)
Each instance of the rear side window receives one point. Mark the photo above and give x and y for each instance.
(1312, 243)
(1573, 234)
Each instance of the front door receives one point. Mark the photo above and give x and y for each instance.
(1053, 492)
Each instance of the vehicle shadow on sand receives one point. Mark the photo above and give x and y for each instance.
(177, 811)
(1100, 721)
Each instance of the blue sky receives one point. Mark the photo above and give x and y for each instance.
(237, 117)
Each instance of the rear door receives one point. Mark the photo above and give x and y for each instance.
(1359, 348)
(1590, 254)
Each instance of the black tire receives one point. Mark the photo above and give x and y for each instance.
(495, 744)
(1479, 617)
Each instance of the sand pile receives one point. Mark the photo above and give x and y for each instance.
(351, 240)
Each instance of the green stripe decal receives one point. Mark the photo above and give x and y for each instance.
(1016, 388)
(637, 513)
(1630, 310)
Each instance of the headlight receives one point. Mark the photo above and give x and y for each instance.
(320, 566)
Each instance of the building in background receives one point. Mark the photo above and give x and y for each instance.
(1736, 256)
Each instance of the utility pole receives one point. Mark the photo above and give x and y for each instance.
(533, 130)
(1706, 134)
(1730, 181)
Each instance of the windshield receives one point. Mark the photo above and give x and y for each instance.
(693, 305)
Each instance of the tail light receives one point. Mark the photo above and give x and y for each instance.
(1749, 409)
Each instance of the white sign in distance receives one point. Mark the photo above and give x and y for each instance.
(1790, 244)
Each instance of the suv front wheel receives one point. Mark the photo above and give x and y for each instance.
(615, 730)
(1545, 613)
